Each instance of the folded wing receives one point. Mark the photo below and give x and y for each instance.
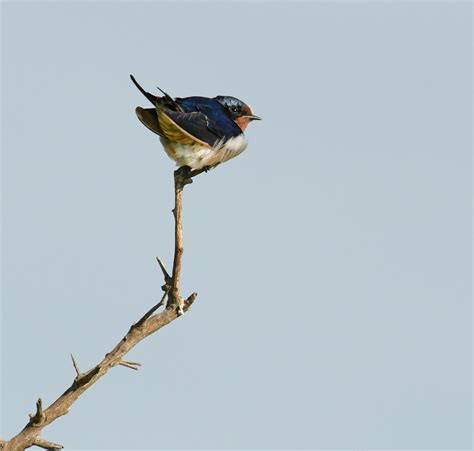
(184, 128)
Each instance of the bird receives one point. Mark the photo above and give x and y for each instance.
(197, 132)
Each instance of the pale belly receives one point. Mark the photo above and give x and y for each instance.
(197, 156)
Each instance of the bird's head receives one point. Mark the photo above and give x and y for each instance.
(239, 111)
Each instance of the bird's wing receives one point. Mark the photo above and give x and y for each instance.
(149, 96)
(218, 120)
(149, 119)
(186, 128)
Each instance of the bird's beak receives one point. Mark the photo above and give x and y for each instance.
(254, 118)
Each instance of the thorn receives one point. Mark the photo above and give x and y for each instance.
(163, 270)
(131, 365)
(78, 373)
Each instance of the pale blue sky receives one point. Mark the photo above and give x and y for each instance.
(332, 259)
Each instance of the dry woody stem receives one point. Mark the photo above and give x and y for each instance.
(149, 323)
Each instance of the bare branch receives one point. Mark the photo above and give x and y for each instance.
(148, 324)
(174, 300)
(151, 311)
(182, 177)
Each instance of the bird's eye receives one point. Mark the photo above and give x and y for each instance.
(234, 109)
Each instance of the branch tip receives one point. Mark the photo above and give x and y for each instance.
(163, 270)
(38, 417)
(189, 301)
(131, 365)
(42, 443)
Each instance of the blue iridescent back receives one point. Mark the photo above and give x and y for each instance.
(219, 120)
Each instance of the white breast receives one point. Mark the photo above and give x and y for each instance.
(197, 156)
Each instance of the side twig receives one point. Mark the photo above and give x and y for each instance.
(38, 417)
(148, 324)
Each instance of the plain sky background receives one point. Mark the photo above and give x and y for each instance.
(332, 258)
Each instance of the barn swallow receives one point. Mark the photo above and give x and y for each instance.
(198, 132)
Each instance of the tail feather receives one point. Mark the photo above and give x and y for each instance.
(165, 101)
(149, 96)
(169, 102)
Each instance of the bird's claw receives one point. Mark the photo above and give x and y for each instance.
(183, 176)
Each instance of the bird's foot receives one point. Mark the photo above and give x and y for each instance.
(183, 177)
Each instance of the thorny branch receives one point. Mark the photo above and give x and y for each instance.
(149, 323)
